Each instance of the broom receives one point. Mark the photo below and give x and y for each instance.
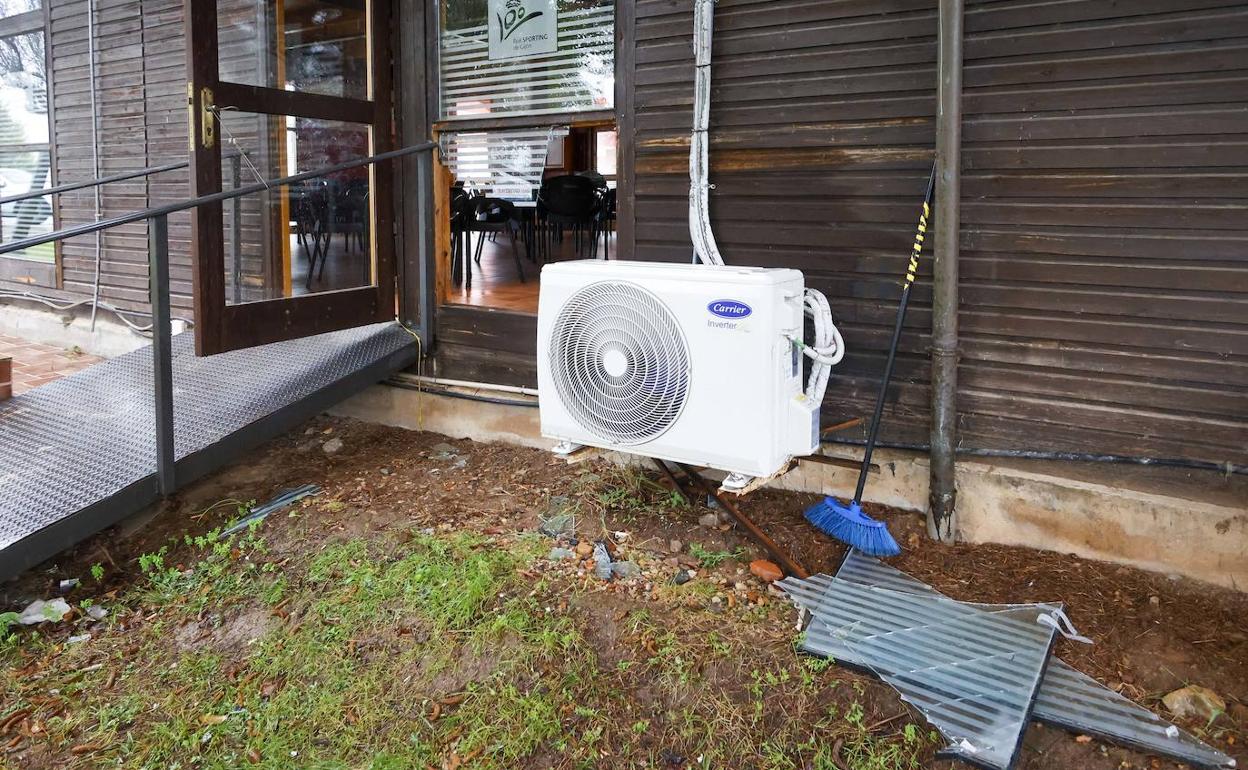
(848, 523)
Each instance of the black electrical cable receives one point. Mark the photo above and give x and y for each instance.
(1016, 454)
(1031, 454)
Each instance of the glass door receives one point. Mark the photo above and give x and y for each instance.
(277, 88)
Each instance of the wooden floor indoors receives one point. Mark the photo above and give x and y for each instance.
(496, 284)
(347, 267)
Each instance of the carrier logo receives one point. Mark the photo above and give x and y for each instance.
(729, 308)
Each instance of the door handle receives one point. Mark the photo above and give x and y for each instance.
(207, 118)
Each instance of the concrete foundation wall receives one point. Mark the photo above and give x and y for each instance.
(72, 328)
(1193, 524)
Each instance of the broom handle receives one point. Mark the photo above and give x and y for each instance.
(892, 348)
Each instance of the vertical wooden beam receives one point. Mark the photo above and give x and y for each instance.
(285, 265)
(412, 86)
(942, 523)
(435, 15)
(6, 378)
(207, 236)
(441, 243)
(383, 177)
(626, 122)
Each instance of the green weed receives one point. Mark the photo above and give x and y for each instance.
(712, 559)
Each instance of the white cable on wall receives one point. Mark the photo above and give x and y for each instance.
(704, 246)
(828, 347)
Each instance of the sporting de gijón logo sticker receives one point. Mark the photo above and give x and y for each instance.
(515, 17)
(520, 28)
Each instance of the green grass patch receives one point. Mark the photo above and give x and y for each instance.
(367, 655)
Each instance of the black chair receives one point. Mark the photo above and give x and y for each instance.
(606, 220)
(598, 179)
(572, 201)
(461, 210)
(351, 214)
(488, 216)
(311, 205)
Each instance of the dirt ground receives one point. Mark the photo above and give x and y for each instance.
(673, 674)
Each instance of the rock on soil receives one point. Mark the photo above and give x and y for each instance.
(765, 571)
(624, 570)
(332, 447)
(1194, 702)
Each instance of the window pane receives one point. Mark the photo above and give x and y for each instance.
(14, 7)
(25, 160)
(22, 172)
(527, 57)
(311, 46)
(308, 238)
(502, 164)
(604, 152)
(23, 90)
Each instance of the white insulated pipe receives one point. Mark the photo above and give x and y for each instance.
(828, 348)
(705, 249)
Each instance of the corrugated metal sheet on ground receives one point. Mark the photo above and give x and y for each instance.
(972, 670)
(1067, 697)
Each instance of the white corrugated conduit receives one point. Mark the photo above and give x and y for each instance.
(828, 347)
(704, 246)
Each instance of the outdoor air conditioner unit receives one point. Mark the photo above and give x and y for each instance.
(688, 363)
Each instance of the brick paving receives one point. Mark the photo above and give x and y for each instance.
(35, 364)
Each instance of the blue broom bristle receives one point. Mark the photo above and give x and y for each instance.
(850, 525)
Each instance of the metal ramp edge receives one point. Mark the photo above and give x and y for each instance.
(78, 455)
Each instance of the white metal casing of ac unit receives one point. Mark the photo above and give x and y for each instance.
(727, 394)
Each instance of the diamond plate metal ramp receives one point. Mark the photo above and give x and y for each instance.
(78, 455)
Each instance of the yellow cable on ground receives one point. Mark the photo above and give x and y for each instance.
(420, 373)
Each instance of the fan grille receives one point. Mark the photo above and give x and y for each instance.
(620, 362)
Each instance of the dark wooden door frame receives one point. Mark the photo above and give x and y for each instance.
(220, 327)
(415, 89)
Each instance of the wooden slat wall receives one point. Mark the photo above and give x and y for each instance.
(141, 97)
(123, 96)
(482, 345)
(1105, 210)
(165, 99)
(822, 127)
(1105, 213)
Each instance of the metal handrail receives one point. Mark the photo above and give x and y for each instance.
(224, 195)
(122, 177)
(73, 186)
